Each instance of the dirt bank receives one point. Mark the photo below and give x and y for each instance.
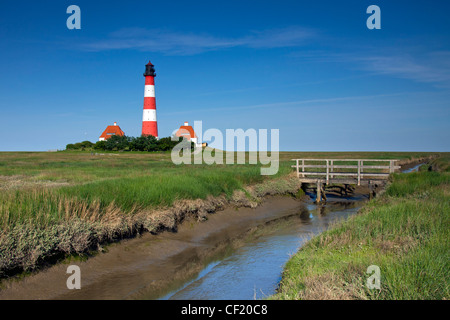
(151, 265)
(26, 248)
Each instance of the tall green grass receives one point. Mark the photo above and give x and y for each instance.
(441, 163)
(404, 184)
(160, 189)
(108, 199)
(128, 180)
(163, 188)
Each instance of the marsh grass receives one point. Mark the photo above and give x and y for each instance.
(53, 203)
(405, 232)
(72, 202)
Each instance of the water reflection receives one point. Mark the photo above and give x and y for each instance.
(253, 270)
(305, 215)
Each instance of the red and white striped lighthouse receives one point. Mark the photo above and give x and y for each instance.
(149, 125)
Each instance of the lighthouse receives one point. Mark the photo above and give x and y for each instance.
(149, 125)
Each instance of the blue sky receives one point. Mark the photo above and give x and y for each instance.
(311, 69)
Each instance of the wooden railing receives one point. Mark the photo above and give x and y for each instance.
(330, 169)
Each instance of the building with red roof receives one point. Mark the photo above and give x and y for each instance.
(111, 131)
(186, 131)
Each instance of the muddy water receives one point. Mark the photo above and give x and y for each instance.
(253, 271)
(413, 169)
(236, 254)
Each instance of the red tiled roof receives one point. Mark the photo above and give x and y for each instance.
(186, 132)
(111, 131)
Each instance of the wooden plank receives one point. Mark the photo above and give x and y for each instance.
(344, 181)
(341, 180)
(350, 174)
(374, 160)
(359, 173)
(378, 160)
(381, 167)
(367, 174)
(318, 189)
(324, 196)
(347, 167)
(310, 180)
(332, 169)
(353, 174)
(303, 167)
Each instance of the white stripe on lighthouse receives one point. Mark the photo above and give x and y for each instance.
(149, 115)
(149, 91)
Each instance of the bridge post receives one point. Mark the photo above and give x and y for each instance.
(303, 167)
(318, 192)
(324, 196)
(359, 172)
(372, 189)
(331, 169)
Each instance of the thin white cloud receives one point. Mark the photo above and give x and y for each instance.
(433, 67)
(291, 103)
(178, 43)
(419, 65)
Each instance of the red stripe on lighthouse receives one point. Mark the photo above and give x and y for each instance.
(149, 80)
(149, 103)
(149, 124)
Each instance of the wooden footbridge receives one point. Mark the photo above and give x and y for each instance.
(347, 172)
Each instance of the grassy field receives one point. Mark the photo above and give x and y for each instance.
(405, 232)
(54, 203)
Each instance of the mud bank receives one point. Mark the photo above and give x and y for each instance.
(26, 248)
(150, 266)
